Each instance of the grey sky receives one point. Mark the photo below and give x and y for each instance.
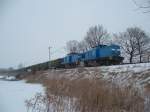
(28, 27)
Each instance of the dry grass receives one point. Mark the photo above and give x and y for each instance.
(96, 95)
(36, 77)
(84, 95)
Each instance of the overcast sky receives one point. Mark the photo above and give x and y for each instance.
(28, 27)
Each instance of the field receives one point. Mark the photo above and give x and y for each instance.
(120, 88)
(14, 93)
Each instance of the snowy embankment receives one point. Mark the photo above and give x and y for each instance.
(136, 74)
(129, 74)
(14, 93)
(1, 77)
(8, 78)
(127, 67)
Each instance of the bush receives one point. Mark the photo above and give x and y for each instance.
(91, 96)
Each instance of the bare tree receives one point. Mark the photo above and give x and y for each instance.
(72, 46)
(142, 41)
(127, 42)
(134, 42)
(143, 4)
(10, 69)
(95, 36)
(83, 46)
(146, 56)
(20, 66)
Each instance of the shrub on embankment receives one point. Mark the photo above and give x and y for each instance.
(97, 96)
(84, 95)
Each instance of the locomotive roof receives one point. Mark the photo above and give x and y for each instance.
(101, 45)
(72, 53)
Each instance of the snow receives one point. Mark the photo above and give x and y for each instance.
(1, 77)
(137, 74)
(128, 67)
(10, 78)
(7, 77)
(123, 75)
(14, 93)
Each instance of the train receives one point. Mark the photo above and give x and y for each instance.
(100, 55)
(97, 56)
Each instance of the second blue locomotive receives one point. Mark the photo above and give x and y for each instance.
(100, 55)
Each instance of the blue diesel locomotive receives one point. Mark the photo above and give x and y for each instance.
(100, 55)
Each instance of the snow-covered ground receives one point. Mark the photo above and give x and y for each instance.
(9, 78)
(128, 74)
(14, 93)
(140, 67)
(138, 74)
(1, 77)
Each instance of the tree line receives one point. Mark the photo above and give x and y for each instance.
(143, 5)
(134, 42)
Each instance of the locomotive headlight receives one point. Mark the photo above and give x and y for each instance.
(113, 49)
